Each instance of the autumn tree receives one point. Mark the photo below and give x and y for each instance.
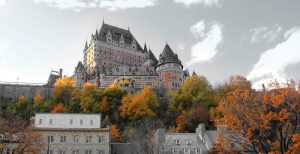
(89, 98)
(37, 98)
(194, 93)
(62, 91)
(59, 108)
(103, 105)
(140, 105)
(262, 121)
(31, 142)
(116, 134)
(114, 95)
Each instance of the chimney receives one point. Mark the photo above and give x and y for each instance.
(200, 130)
(60, 72)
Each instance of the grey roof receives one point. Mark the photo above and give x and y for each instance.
(168, 56)
(52, 78)
(194, 73)
(152, 57)
(79, 67)
(186, 73)
(86, 46)
(122, 148)
(116, 33)
(212, 135)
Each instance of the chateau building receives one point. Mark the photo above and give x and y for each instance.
(113, 55)
(66, 133)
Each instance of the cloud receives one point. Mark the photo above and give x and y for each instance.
(272, 62)
(3, 3)
(207, 3)
(210, 35)
(111, 5)
(264, 34)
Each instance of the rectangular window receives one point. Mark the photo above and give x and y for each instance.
(81, 122)
(50, 121)
(100, 151)
(88, 151)
(71, 121)
(101, 139)
(40, 121)
(91, 122)
(62, 152)
(50, 139)
(88, 139)
(76, 139)
(177, 142)
(75, 151)
(175, 151)
(63, 139)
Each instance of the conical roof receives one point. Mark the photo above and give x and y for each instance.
(168, 56)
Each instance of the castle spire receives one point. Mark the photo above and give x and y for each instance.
(86, 46)
(145, 48)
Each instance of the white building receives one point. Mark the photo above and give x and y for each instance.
(68, 133)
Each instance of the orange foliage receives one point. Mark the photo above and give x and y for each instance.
(59, 108)
(103, 106)
(139, 105)
(181, 123)
(37, 98)
(252, 115)
(115, 132)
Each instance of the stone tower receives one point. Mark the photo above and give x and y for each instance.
(169, 69)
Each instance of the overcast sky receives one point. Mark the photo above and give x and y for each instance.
(259, 39)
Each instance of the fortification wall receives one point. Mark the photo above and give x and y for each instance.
(13, 91)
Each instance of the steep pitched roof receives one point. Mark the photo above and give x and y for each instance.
(151, 56)
(186, 73)
(79, 67)
(168, 56)
(116, 33)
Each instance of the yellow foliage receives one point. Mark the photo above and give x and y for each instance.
(87, 86)
(37, 98)
(64, 82)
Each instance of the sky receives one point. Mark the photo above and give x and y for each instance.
(215, 38)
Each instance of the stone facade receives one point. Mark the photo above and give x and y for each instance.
(73, 133)
(114, 53)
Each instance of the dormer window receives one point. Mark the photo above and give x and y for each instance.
(175, 151)
(186, 151)
(177, 141)
(188, 141)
